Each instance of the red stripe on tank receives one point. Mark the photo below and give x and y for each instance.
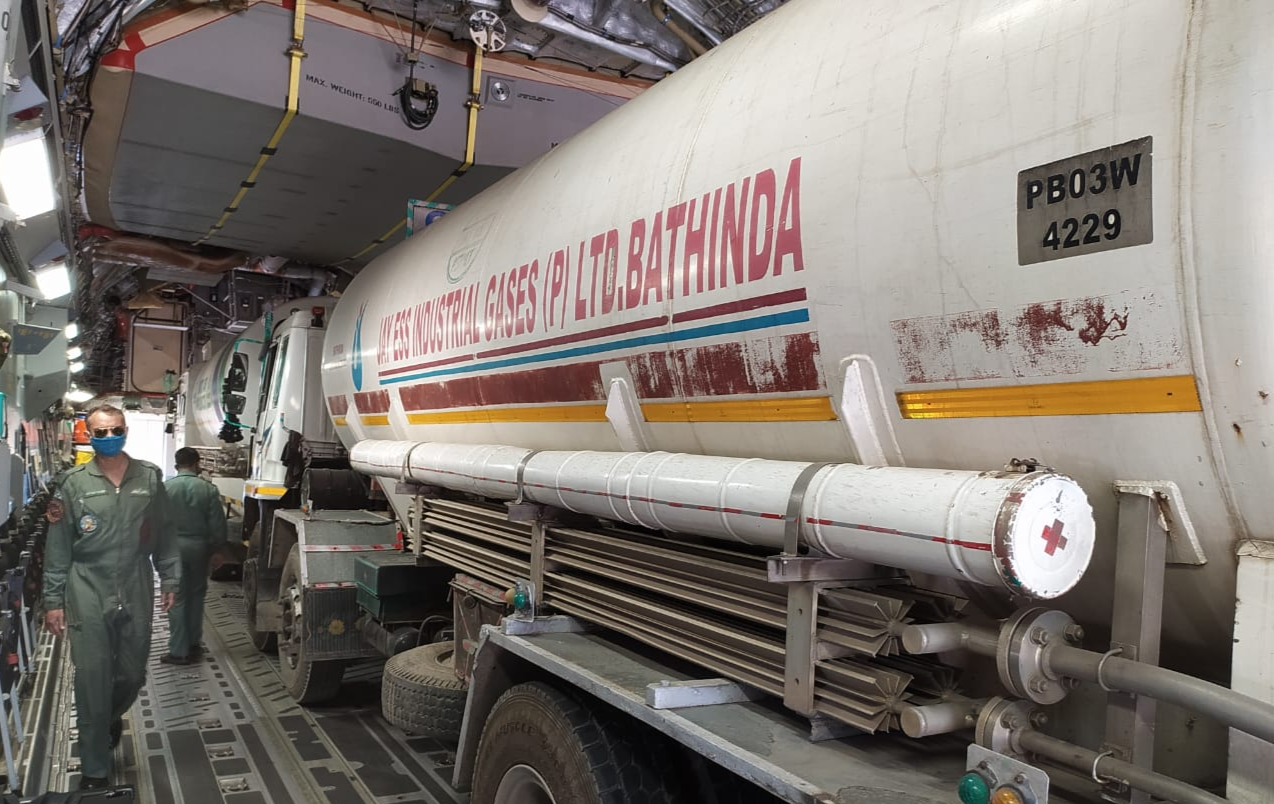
(784, 364)
(338, 404)
(372, 402)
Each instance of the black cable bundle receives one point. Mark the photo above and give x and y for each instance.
(416, 118)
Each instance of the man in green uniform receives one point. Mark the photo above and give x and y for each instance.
(107, 518)
(200, 524)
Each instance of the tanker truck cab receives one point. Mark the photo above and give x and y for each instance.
(291, 430)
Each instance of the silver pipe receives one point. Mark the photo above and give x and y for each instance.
(556, 24)
(691, 15)
(943, 718)
(1225, 705)
(944, 637)
(1089, 762)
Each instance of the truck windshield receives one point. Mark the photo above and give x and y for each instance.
(267, 375)
(280, 363)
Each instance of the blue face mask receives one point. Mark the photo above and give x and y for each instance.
(108, 447)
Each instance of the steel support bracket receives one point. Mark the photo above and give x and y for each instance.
(1136, 627)
(802, 569)
(558, 624)
(697, 692)
(417, 489)
(541, 517)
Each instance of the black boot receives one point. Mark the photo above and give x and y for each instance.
(168, 658)
(94, 782)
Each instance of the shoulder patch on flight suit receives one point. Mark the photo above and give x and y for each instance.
(55, 511)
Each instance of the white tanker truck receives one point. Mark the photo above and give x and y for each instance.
(902, 369)
(233, 437)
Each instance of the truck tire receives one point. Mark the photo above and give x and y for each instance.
(420, 693)
(265, 641)
(717, 785)
(541, 745)
(307, 680)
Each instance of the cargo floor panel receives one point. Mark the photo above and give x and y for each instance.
(225, 731)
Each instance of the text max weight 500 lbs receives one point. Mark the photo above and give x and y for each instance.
(1096, 201)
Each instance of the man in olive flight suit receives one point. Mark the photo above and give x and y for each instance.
(108, 517)
(199, 521)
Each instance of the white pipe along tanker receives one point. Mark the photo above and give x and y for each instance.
(974, 290)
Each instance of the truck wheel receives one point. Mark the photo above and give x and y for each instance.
(265, 641)
(540, 746)
(309, 681)
(421, 694)
(717, 785)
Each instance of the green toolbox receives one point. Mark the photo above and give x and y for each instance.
(393, 589)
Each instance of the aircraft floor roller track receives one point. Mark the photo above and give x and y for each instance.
(225, 731)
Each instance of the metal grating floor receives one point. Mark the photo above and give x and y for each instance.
(225, 731)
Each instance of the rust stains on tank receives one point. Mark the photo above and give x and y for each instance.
(1043, 324)
(985, 325)
(926, 346)
(1128, 331)
(1101, 325)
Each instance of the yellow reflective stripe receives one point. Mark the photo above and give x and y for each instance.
(470, 143)
(1176, 394)
(266, 491)
(339, 421)
(550, 413)
(375, 420)
(791, 409)
(295, 53)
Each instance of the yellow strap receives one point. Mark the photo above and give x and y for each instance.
(474, 108)
(295, 54)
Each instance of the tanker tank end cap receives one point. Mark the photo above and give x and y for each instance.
(1044, 536)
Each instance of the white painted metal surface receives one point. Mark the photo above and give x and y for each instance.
(1251, 768)
(880, 172)
(203, 390)
(292, 400)
(1029, 534)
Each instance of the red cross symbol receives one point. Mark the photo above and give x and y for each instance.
(1053, 538)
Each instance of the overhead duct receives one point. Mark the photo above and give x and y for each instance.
(144, 252)
(692, 15)
(660, 10)
(562, 25)
(561, 22)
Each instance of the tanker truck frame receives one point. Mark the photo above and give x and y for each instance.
(651, 409)
(553, 595)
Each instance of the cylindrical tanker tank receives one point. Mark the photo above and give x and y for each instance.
(205, 414)
(204, 411)
(939, 234)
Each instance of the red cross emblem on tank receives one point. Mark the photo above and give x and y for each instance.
(1053, 538)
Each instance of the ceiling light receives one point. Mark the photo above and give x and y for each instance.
(54, 281)
(76, 367)
(77, 395)
(72, 331)
(25, 178)
(74, 353)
